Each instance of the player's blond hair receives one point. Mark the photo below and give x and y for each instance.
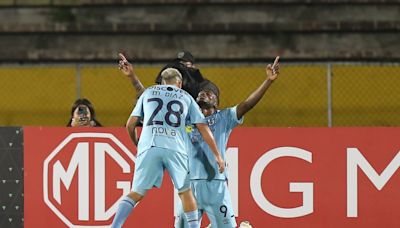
(170, 76)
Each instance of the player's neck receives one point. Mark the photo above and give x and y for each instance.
(208, 111)
(173, 84)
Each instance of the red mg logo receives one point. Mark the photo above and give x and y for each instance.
(85, 176)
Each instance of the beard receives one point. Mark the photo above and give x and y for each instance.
(204, 105)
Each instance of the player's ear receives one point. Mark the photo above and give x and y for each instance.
(216, 104)
(216, 101)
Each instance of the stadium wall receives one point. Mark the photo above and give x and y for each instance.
(222, 30)
(360, 94)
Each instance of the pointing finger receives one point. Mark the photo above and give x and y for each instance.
(122, 57)
(276, 61)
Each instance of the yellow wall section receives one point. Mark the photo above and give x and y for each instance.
(36, 95)
(362, 95)
(112, 93)
(366, 95)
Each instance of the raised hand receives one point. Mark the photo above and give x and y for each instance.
(80, 122)
(125, 66)
(273, 70)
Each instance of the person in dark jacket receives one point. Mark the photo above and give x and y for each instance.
(192, 77)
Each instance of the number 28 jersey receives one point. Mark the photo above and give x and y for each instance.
(165, 109)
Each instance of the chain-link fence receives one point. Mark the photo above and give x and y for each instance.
(311, 94)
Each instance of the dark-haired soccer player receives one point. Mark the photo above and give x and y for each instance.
(208, 185)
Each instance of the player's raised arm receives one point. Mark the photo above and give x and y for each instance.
(272, 72)
(127, 69)
(209, 139)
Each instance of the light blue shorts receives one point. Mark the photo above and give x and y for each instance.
(150, 166)
(213, 198)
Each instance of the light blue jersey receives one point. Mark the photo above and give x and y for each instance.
(208, 185)
(202, 162)
(166, 109)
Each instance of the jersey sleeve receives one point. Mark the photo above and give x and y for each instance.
(231, 117)
(194, 113)
(138, 110)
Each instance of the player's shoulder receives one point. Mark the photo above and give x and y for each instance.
(185, 96)
(152, 88)
(146, 91)
(227, 111)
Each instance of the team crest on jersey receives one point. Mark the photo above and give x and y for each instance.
(211, 121)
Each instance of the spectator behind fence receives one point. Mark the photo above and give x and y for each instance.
(83, 114)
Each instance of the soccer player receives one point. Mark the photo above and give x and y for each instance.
(165, 109)
(210, 187)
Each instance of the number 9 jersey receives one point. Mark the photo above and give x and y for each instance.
(165, 110)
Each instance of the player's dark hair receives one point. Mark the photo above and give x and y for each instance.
(209, 85)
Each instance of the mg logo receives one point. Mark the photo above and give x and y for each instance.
(84, 178)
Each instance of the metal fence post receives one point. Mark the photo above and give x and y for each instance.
(329, 92)
(78, 81)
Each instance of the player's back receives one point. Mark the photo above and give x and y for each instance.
(166, 109)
